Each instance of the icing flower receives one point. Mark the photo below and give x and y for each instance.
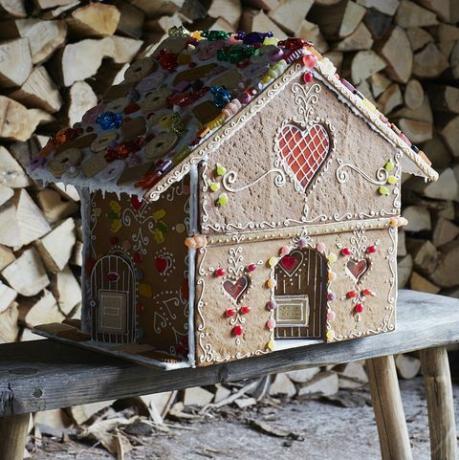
(109, 120)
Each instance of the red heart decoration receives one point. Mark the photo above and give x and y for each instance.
(162, 263)
(358, 268)
(237, 288)
(136, 203)
(304, 151)
(291, 262)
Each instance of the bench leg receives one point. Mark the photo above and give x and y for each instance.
(440, 405)
(389, 413)
(13, 436)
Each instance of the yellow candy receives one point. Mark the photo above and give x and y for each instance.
(330, 335)
(214, 186)
(220, 170)
(331, 276)
(145, 290)
(393, 222)
(272, 261)
(384, 191)
(392, 180)
(389, 166)
(270, 283)
(222, 200)
(332, 258)
(270, 41)
(270, 345)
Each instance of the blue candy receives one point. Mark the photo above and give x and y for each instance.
(109, 120)
(221, 96)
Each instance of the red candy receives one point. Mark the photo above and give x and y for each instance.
(367, 292)
(371, 249)
(219, 272)
(230, 312)
(358, 308)
(167, 60)
(351, 294)
(237, 330)
(251, 267)
(345, 252)
(244, 309)
(308, 77)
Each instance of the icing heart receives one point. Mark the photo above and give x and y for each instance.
(304, 151)
(358, 268)
(237, 288)
(162, 263)
(291, 262)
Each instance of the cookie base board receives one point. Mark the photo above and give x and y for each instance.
(54, 331)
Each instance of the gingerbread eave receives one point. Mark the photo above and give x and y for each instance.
(190, 149)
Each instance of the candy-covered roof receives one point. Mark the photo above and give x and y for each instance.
(179, 104)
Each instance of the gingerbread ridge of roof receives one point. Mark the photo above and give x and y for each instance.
(325, 69)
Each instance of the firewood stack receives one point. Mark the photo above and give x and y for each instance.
(57, 55)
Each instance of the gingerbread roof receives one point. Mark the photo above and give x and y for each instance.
(178, 105)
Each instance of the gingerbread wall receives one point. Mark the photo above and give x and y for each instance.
(254, 182)
(236, 308)
(150, 236)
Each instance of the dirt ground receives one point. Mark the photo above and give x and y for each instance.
(341, 426)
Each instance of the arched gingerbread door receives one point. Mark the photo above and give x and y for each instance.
(113, 295)
(301, 294)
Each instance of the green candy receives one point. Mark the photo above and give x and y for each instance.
(392, 180)
(222, 200)
(383, 190)
(214, 186)
(389, 166)
(220, 170)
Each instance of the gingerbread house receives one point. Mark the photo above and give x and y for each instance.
(238, 197)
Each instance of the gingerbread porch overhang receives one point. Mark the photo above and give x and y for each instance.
(179, 105)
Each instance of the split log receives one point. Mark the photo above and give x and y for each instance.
(230, 10)
(444, 98)
(396, 50)
(419, 283)
(11, 172)
(379, 24)
(401, 244)
(6, 257)
(447, 269)
(363, 64)
(388, 7)
(379, 83)
(197, 396)
(324, 383)
(9, 329)
(56, 247)
(442, 8)
(53, 205)
(417, 131)
(289, 14)
(360, 39)
(445, 188)
(94, 20)
(258, 21)
(390, 99)
(404, 269)
(39, 91)
(21, 221)
(282, 385)
(77, 255)
(156, 9)
(66, 290)
(407, 366)
(82, 98)
(15, 62)
(7, 297)
(414, 95)
(164, 23)
(336, 20)
(131, 19)
(425, 255)
(409, 14)
(418, 37)
(38, 310)
(266, 5)
(44, 37)
(439, 154)
(444, 232)
(339, 20)
(418, 218)
(5, 194)
(18, 123)
(81, 60)
(47, 4)
(14, 8)
(311, 32)
(450, 134)
(26, 274)
(429, 62)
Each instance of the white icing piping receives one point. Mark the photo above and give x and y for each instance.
(192, 263)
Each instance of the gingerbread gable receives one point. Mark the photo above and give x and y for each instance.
(179, 106)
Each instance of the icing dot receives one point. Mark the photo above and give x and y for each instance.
(237, 330)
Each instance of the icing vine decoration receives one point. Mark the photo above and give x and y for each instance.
(230, 178)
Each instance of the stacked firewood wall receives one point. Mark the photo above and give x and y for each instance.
(57, 55)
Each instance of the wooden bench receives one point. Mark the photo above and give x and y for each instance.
(42, 375)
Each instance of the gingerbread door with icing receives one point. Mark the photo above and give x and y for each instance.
(301, 294)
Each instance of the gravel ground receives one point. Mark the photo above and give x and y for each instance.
(341, 427)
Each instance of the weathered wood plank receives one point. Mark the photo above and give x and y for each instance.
(46, 375)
